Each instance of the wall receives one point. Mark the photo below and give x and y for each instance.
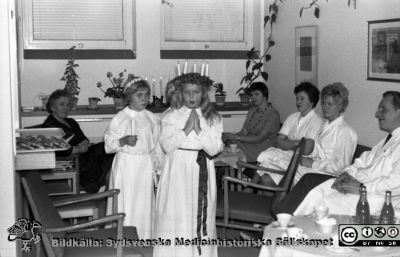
(44, 75)
(8, 68)
(342, 55)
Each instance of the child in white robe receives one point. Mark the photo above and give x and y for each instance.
(186, 195)
(133, 135)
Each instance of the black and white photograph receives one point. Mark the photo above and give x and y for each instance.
(199, 128)
(384, 50)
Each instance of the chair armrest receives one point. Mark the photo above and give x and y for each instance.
(245, 183)
(106, 219)
(257, 167)
(83, 198)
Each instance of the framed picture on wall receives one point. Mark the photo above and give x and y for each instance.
(306, 54)
(384, 50)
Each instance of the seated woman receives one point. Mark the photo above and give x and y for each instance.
(333, 148)
(303, 123)
(261, 126)
(93, 161)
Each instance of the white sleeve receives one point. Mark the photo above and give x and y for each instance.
(171, 137)
(210, 137)
(112, 136)
(381, 184)
(287, 125)
(334, 161)
(314, 129)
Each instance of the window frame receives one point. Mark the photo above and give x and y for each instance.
(128, 42)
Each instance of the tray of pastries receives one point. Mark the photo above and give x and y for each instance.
(40, 143)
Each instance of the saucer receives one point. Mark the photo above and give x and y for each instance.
(277, 225)
(339, 250)
(90, 108)
(230, 151)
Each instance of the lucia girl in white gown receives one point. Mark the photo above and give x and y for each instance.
(133, 135)
(186, 196)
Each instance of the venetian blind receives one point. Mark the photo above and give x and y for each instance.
(205, 20)
(227, 22)
(78, 20)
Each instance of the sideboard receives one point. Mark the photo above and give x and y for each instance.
(95, 122)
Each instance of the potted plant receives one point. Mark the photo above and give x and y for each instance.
(71, 79)
(93, 103)
(220, 94)
(116, 91)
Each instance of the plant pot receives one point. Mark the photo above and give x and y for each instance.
(74, 103)
(244, 99)
(220, 100)
(119, 103)
(93, 103)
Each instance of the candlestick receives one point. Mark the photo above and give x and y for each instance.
(185, 67)
(179, 69)
(202, 69)
(194, 67)
(161, 87)
(207, 69)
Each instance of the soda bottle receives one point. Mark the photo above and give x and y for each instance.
(387, 213)
(362, 210)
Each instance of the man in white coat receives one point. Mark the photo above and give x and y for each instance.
(378, 170)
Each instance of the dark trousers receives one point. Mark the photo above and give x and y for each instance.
(94, 167)
(297, 194)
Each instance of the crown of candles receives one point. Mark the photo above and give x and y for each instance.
(203, 70)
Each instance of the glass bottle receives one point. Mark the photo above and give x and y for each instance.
(387, 213)
(362, 210)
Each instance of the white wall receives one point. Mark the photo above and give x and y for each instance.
(8, 69)
(342, 55)
(44, 75)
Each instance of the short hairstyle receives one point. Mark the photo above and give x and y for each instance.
(311, 91)
(55, 96)
(338, 92)
(134, 86)
(260, 86)
(395, 98)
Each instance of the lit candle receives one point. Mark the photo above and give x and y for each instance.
(207, 69)
(194, 67)
(185, 67)
(202, 69)
(161, 87)
(179, 69)
(153, 85)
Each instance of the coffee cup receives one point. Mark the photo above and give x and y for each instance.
(233, 147)
(321, 211)
(284, 219)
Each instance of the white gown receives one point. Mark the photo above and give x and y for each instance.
(333, 150)
(132, 169)
(177, 194)
(295, 127)
(378, 170)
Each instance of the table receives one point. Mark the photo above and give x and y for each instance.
(307, 223)
(228, 159)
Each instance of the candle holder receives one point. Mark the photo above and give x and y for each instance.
(158, 101)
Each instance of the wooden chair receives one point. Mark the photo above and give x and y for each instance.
(53, 227)
(240, 208)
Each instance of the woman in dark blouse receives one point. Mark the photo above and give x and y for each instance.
(93, 160)
(261, 126)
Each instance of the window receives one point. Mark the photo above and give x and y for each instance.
(90, 24)
(210, 24)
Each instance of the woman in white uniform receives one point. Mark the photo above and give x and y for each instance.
(334, 146)
(303, 123)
